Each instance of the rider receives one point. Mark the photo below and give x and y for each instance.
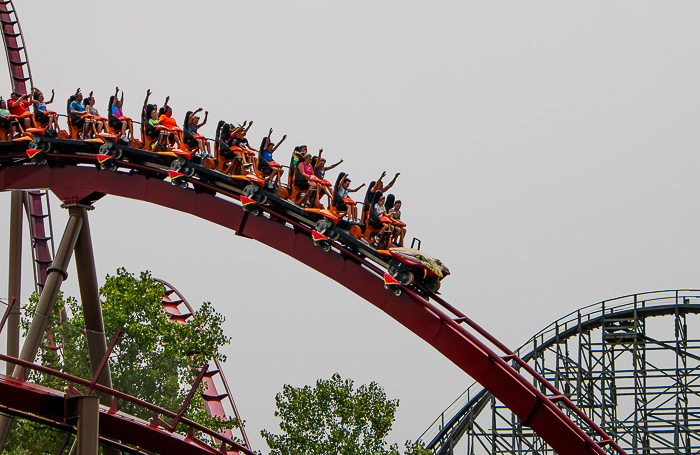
(341, 198)
(320, 169)
(76, 110)
(373, 188)
(117, 120)
(399, 232)
(166, 119)
(303, 173)
(41, 114)
(19, 106)
(190, 135)
(266, 164)
(100, 122)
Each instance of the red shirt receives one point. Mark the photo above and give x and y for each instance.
(19, 108)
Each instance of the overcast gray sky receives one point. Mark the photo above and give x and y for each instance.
(547, 150)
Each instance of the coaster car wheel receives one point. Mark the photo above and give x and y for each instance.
(106, 148)
(325, 246)
(255, 210)
(181, 182)
(405, 277)
(109, 165)
(397, 290)
(432, 284)
(394, 267)
(38, 144)
(324, 226)
(39, 159)
(181, 165)
(253, 191)
(178, 164)
(250, 191)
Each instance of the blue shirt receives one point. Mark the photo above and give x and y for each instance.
(76, 106)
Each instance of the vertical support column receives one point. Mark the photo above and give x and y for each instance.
(15, 276)
(56, 275)
(90, 298)
(608, 386)
(92, 310)
(681, 437)
(494, 424)
(640, 431)
(86, 410)
(558, 363)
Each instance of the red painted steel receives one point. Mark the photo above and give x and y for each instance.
(48, 403)
(15, 50)
(42, 241)
(213, 404)
(362, 278)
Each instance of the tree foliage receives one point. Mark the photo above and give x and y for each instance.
(155, 359)
(333, 418)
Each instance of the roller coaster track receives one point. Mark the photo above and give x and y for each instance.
(47, 406)
(15, 47)
(38, 209)
(35, 201)
(72, 175)
(212, 398)
(622, 324)
(39, 216)
(539, 406)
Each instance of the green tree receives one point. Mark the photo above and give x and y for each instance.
(333, 418)
(155, 359)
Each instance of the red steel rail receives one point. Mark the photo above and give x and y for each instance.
(15, 48)
(213, 399)
(16, 394)
(42, 240)
(441, 330)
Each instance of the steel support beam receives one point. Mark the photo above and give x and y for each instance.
(56, 275)
(86, 410)
(92, 310)
(90, 298)
(15, 276)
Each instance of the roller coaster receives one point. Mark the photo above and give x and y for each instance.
(631, 364)
(403, 283)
